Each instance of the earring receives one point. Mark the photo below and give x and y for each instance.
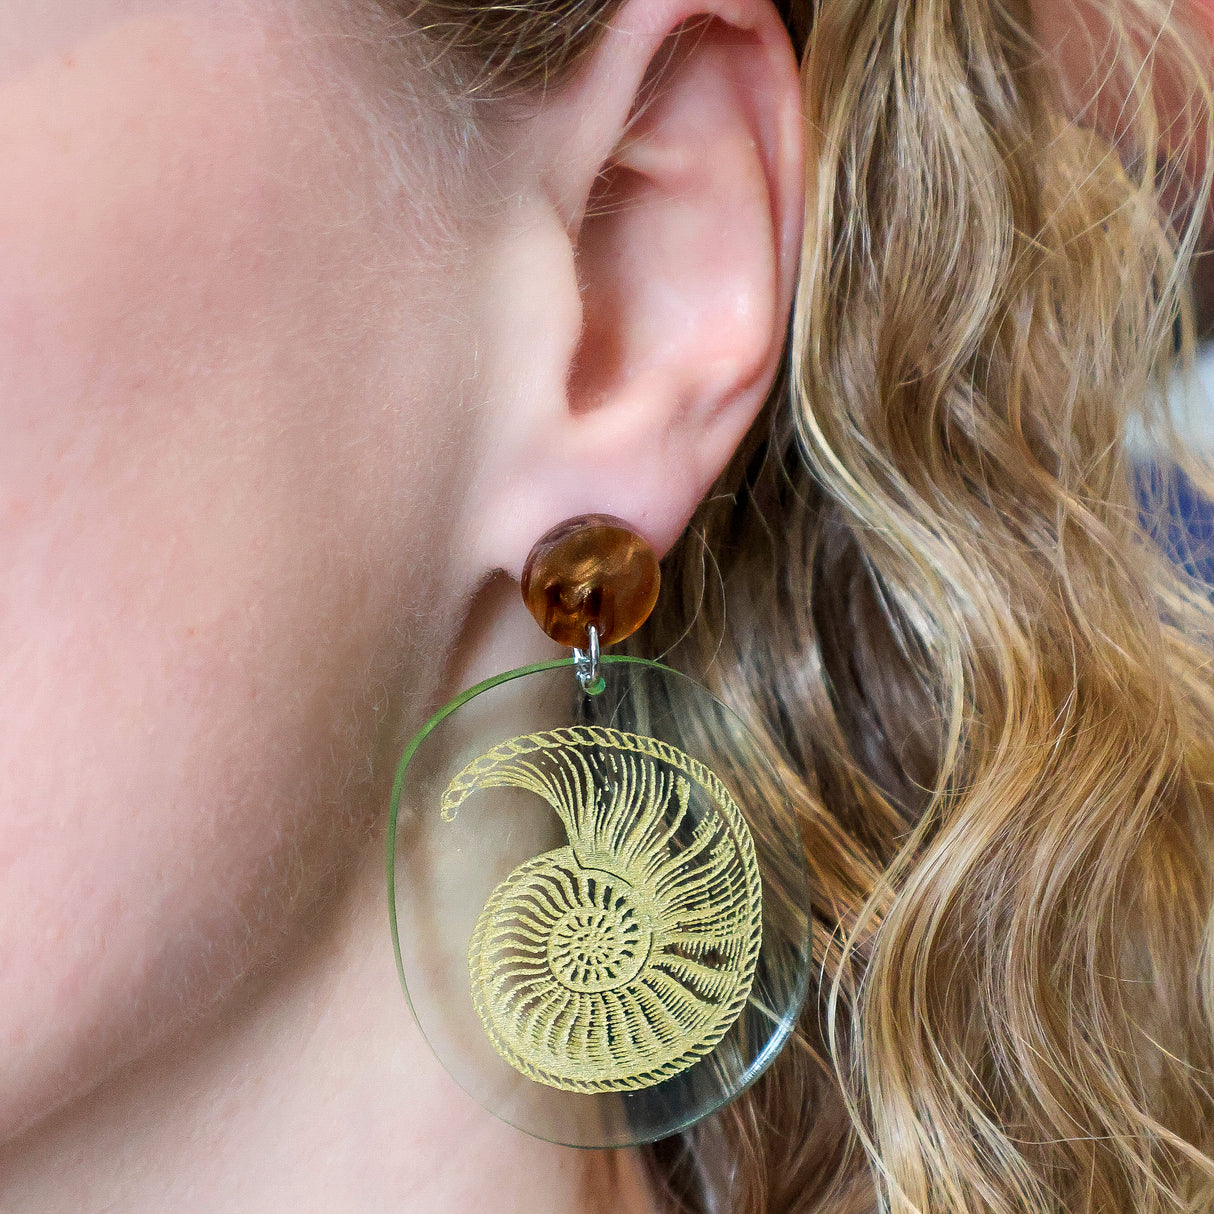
(598, 898)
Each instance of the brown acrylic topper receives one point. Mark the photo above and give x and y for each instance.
(593, 569)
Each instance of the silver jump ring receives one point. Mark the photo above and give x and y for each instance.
(587, 664)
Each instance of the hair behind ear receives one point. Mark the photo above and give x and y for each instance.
(931, 587)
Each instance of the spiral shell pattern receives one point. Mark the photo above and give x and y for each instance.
(618, 961)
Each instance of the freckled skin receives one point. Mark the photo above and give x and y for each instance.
(212, 522)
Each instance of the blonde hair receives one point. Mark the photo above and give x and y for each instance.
(927, 583)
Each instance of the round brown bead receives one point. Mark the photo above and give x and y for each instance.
(593, 569)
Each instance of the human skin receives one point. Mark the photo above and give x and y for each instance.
(274, 411)
(178, 500)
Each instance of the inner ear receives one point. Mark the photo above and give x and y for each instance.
(677, 253)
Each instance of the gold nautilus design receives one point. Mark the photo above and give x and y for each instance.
(618, 961)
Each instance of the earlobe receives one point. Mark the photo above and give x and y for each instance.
(683, 243)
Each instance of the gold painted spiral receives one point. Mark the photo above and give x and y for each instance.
(618, 961)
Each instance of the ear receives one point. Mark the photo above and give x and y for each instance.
(636, 305)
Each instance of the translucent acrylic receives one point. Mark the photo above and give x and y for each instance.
(599, 901)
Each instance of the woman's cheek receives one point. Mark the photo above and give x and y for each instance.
(200, 522)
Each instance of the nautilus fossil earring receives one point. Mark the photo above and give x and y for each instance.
(598, 897)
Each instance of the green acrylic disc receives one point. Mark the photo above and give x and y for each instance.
(599, 901)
